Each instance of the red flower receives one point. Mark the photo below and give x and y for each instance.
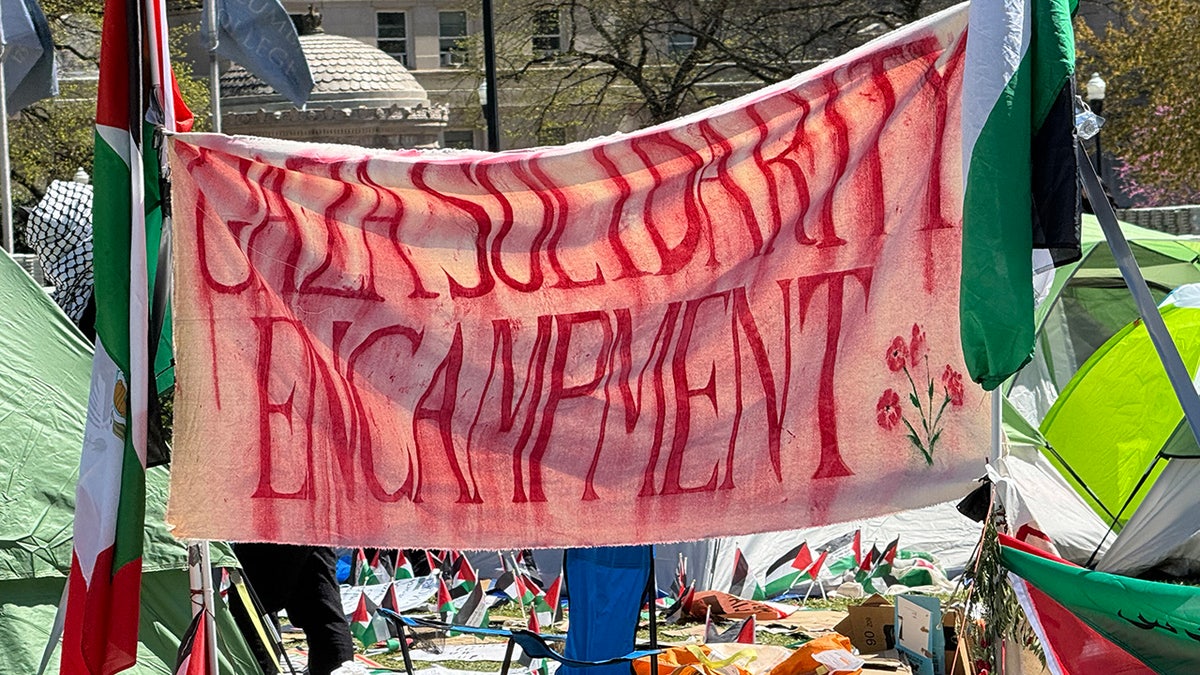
(952, 383)
(916, 346)
(897, 354)
(887, 410)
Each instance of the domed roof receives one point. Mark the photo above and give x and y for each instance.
(346, 73)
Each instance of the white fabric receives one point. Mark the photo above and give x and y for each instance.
(939, 529)
(1164, 529)
(1035, 493)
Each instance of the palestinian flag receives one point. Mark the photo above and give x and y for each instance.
(786, 571)
(379, 568)
(883, 565)
(745, 634)
(1132, 625)
(363, 574)
(474, 612)
(193, 649)
(539, 666)
(445, 603)
(547, 605)
(362, 623)
(682, 606)
(856, 546)
(744, 585)
(434, 562)
(510, 584)
(404, 568)
(524, 563)
(391, 601)
(1021, 192)
(362, 626)
(741, 632)
(103, 589)
(464, 580)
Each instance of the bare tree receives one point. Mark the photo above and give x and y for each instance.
(648, 61)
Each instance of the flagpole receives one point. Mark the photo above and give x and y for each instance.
(214, 67)
(5, 173)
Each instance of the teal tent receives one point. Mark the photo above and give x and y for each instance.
(45, 368)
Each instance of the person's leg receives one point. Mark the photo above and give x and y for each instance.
(316, 607)
(272, 570)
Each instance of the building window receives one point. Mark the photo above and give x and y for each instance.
(452, 32)
(547, 34)
(680, 43)
(391, 35)
(463, 139)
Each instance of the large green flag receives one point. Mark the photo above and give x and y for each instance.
(1156, 622)
(1020, 174)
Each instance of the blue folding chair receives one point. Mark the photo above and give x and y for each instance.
(606, 588)
(534, 645)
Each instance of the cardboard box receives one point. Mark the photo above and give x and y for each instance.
(865, 625)
(871, 630)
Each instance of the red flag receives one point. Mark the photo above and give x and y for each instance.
(534, 626)
(804, 559)
(872, 555)
(857, 545)
(815, 571)
(746, 632)
(889, 553)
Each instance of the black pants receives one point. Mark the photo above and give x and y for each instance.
(303, 581)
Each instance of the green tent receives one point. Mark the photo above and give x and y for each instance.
(1119, 413)
(44, 378)
(1084, 304)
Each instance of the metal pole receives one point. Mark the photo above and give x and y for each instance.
(210, 609)
(5, 172)
(214, 67)
(997, 426)
(1097, 106)
(491, 107)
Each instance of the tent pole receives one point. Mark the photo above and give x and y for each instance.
(1168, 353)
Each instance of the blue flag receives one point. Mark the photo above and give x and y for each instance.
(260, 36)
(29, 71)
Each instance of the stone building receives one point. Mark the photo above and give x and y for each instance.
(361, 96)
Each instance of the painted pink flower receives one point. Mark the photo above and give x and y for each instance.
(916, 346)
(953, 384)
(887, 410)
(897, 354)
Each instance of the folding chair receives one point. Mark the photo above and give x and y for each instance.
(534, 645)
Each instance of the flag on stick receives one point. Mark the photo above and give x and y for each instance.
(193, 649)
(786, 570)
(815, 571)
(445, 603)
(362, 624)
(404, 568)
(547, 605)
(363, 574)
(744, 584)
(103, 589)
(262, 38)
(474, 611)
